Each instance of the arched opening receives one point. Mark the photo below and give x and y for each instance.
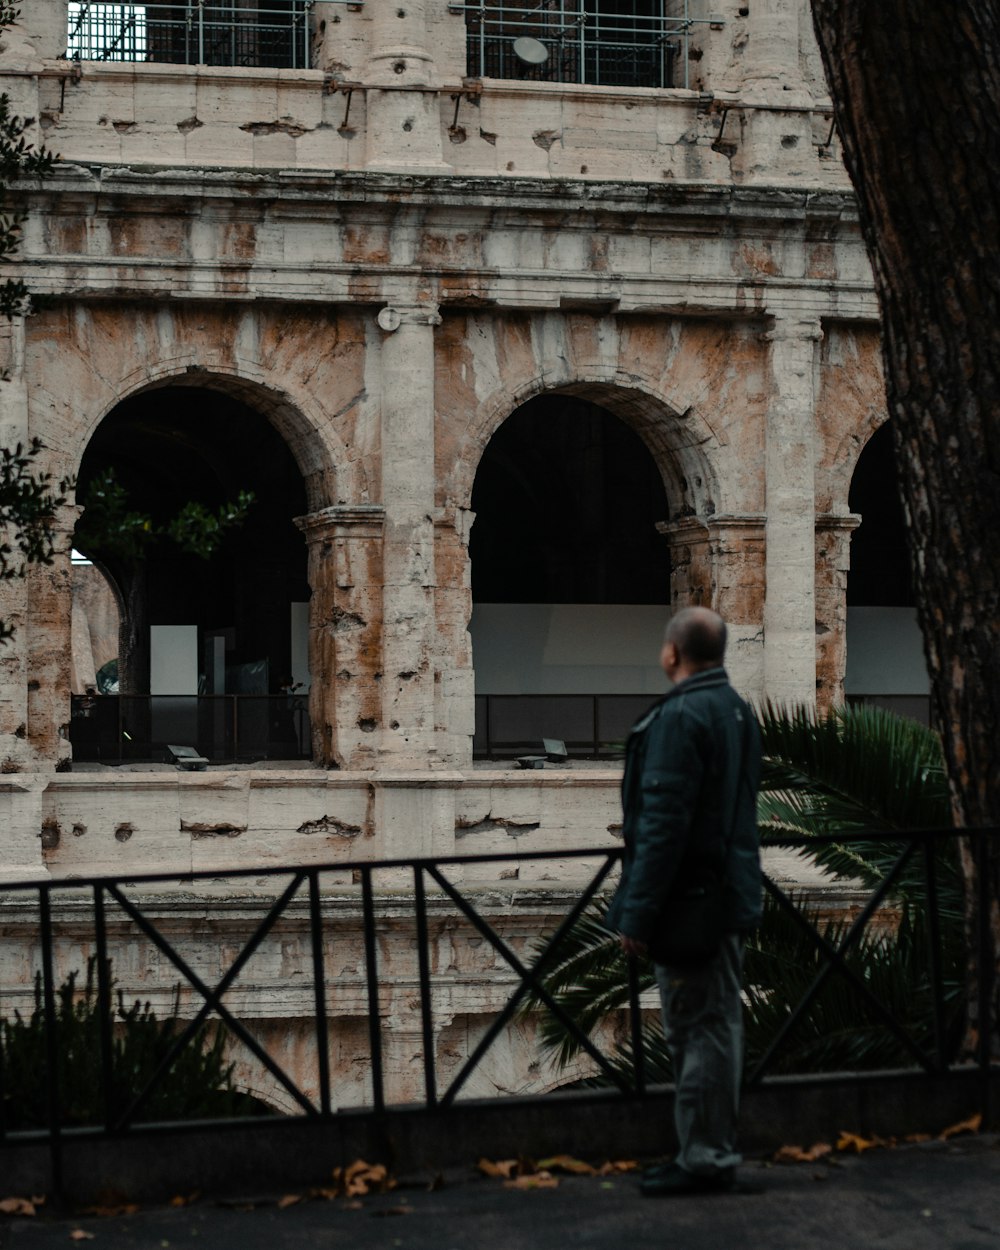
(885, 657)
(213, 592)
(570, 579)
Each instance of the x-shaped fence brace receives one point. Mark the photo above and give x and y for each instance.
(530, 977)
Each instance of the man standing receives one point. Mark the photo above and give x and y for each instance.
(689, 795)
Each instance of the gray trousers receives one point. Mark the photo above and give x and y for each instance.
(703, 1022)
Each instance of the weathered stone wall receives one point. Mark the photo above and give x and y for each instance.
(385, 258)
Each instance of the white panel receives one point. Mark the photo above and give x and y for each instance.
(300, 645)
(539, 648)
(173, 659)
(885, 652)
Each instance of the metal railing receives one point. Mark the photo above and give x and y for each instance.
(224, 728)
(628, 43)
(593, 726)
(427, 900)
(193, 32)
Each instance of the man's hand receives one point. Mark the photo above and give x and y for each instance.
(631, 946)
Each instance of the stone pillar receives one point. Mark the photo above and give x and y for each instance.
(738, 557)
(403, 112)
(690, 562)
(455, 689)
(50, 649)
(790, 605)
(833, 561)
(718, 562)
(345, 633)
(14, 752)
(409, 641)
(775, 123)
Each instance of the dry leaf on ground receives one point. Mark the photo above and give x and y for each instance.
(615, 1166)
(18, 1206)
(971, 1125)
(499, 1167)
(360, 1178)
(533, 1180)
(797, 1154)
(289, 1200)
(857, 1144)
(185, 1200)
(81, 1234)
(566, 1163)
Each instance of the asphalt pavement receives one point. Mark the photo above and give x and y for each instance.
(938, 1195)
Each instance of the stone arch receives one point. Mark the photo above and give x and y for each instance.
(305, 373)
(676, 436)
(316, 448)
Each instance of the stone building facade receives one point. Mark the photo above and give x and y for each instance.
(381, 255)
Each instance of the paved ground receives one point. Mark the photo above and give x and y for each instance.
(938, 1196)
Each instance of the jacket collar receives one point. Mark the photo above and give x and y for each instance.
(700, 681)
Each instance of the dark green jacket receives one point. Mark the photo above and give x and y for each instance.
(692, 771)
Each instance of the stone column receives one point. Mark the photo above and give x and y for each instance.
(790, 527)
(738, 556)
(403, 112)
(409, 641)
(833, 561)
(775, 123)
(345, 633)
(14, 752)
(455, 691)
(690, 562)
(718, 561)
(50, 649)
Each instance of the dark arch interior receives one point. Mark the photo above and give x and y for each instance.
(880, 567)
(180, 444)
(567, 498)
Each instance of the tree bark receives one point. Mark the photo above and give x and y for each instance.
(916, 93)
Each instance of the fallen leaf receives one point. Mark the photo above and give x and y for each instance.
(325, 1193)
(971, 1125)
(615, 1166)
(17, 1206)
(533, 1180)
(851, 1141)
(796, 1154)
(185, 1200)
(566, 1163)
(503, 1167)
(393, 1211)
(289, 1200)
(913, 1138)
(81, 1234)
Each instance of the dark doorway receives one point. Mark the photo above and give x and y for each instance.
(880, 566)
(175, 446)
(567, 498)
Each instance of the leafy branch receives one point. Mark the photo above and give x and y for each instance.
(112, 525)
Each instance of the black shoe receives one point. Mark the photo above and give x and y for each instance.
(671, 1181)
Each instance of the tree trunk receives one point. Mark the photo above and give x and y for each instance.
(916, 92)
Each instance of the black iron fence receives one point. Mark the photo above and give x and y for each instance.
(222, 728)
(591, 725)
(325, 932)
(274, 33)
(644, 43)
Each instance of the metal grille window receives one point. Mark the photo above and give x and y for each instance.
(621, 43)
(200, 32)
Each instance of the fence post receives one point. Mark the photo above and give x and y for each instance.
(51, 1040)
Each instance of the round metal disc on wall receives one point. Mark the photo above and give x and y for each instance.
(530, 51)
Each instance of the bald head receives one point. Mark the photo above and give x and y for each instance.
(699, 637)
